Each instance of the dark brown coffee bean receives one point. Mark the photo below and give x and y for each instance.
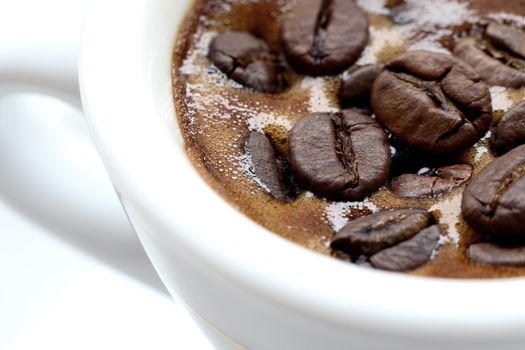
(356, 86)
(248, 60)
(432, 102)
(492, 254)
(497, 53)
(324, 37)
(369, 234)
(494, 201)
(432, 183)
(410, 254)
(413, 186)
(339, 156)
(506, 38)
(459, 172)
(269, 168)
(510, 130)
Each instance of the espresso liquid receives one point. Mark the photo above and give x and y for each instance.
(216, 114)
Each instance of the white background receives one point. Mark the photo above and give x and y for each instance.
(53, 295)
(72, 273)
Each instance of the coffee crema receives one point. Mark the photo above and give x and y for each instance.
(224, 111)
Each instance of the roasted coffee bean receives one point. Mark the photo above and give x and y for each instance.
(369, 234)
(506, 38)
(497, 53)
(432, 102)
(459, 172)
(410, 254)
(432, 183)
(324, 37)
(356, 86)
(271, 169)
(339, 156)
(248, 60)
(492, 254)
(494, 201)
(510, 130)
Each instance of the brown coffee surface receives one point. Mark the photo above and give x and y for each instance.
(216, 114)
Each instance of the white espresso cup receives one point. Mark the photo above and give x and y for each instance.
(246, 286)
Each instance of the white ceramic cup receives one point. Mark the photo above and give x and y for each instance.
(246, 286)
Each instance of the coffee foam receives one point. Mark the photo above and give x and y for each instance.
(449, 210)
(261, 121)
(318, 100)
(500, 98)
(376, 7)
(220, 111)
(337, 213)
(482, 148)
(380, 38)
(507, 17)
(434, 18)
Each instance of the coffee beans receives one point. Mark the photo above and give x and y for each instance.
(492, 254)
(270, 169)
(510, 130)
(432, 102)
(506, 38)
(394, 240)
(410, 254)
(356, 86)
(497, 53)
(431, 183)
(430, 120)
(372, 233)
(340, 156)
(324, 37)
(248, 60)
(494, 201)
(425, 104)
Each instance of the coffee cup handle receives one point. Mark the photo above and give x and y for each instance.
(76, 204)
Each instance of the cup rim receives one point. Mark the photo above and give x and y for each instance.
(126, 91)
